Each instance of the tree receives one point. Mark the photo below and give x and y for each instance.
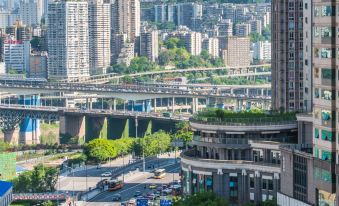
(40, 179)
(255, 37)
(184, 132)
(4, 146)
(100, 150)
(36, 43)
(201, 199)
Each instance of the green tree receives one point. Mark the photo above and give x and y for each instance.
(100, 150)
(40, 179)
(201, 199)
(255, 37)
(4, 146)
(184, 132)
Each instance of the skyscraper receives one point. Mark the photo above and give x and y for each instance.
(125, 18)
(99, 36)
(31, 11)
(287, 55)
(68, 40)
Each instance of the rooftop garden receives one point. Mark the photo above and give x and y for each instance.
(251, 116)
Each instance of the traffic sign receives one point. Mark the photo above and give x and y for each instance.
(165, 202)
(142, 202)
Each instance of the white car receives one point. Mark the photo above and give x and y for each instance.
(106, 174)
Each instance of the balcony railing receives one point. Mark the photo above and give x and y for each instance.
(221, 140)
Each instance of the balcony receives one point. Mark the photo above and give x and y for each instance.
(189, 158)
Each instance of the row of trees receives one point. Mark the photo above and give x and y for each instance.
(40, 179)
(100, 150)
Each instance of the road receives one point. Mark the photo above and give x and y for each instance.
(78, 182)
(137, 183)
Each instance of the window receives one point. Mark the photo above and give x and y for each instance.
(270, 184)
(327, 94)
(316, 133)
(264, 184)
(327, 135)
(316, 93)
(326, 155)
(320, 11)
(327, 73)
(251, 182)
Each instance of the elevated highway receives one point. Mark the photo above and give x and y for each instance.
(126, 92)
(106, 78)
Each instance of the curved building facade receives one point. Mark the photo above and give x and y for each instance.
(238, 160)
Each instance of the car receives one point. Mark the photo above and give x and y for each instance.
(106, 174)
(152, 186)
(116, 197)
(137, 193)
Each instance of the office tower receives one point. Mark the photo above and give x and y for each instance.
(242, 30)
(20, 31)
(287, 55)
(188, 14)
(237, 47)
(30, 12)
(225, 27)
(68, 53)
(99, 36)
(16, 55)
(211, 45)
(149, 44)
(125, 18)
(255, 26)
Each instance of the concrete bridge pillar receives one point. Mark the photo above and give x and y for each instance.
(11, 136)
(96, 127)
(114, 104)
(71, 126)
(155, 104)
(29, 128)
(173, 104)
(195, 105)
(117, 128)
(140, 127)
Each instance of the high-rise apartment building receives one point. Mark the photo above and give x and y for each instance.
(287, 55)
(68, 45)
(189, 14)
(193, 40)
(211, 45)
(165, 13)
(149, 44)
(125, 18)
(242, 30)
(236, 47)
(255, 26)
(225, 27)
(99, 36)
(31, 12)
(16, 55)
(20, 31)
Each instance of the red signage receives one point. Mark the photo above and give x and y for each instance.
(10, 41)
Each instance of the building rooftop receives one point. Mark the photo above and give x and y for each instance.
(4, 187)
(219, 115)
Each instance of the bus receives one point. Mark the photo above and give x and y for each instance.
(159, 173)
(114, 185)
